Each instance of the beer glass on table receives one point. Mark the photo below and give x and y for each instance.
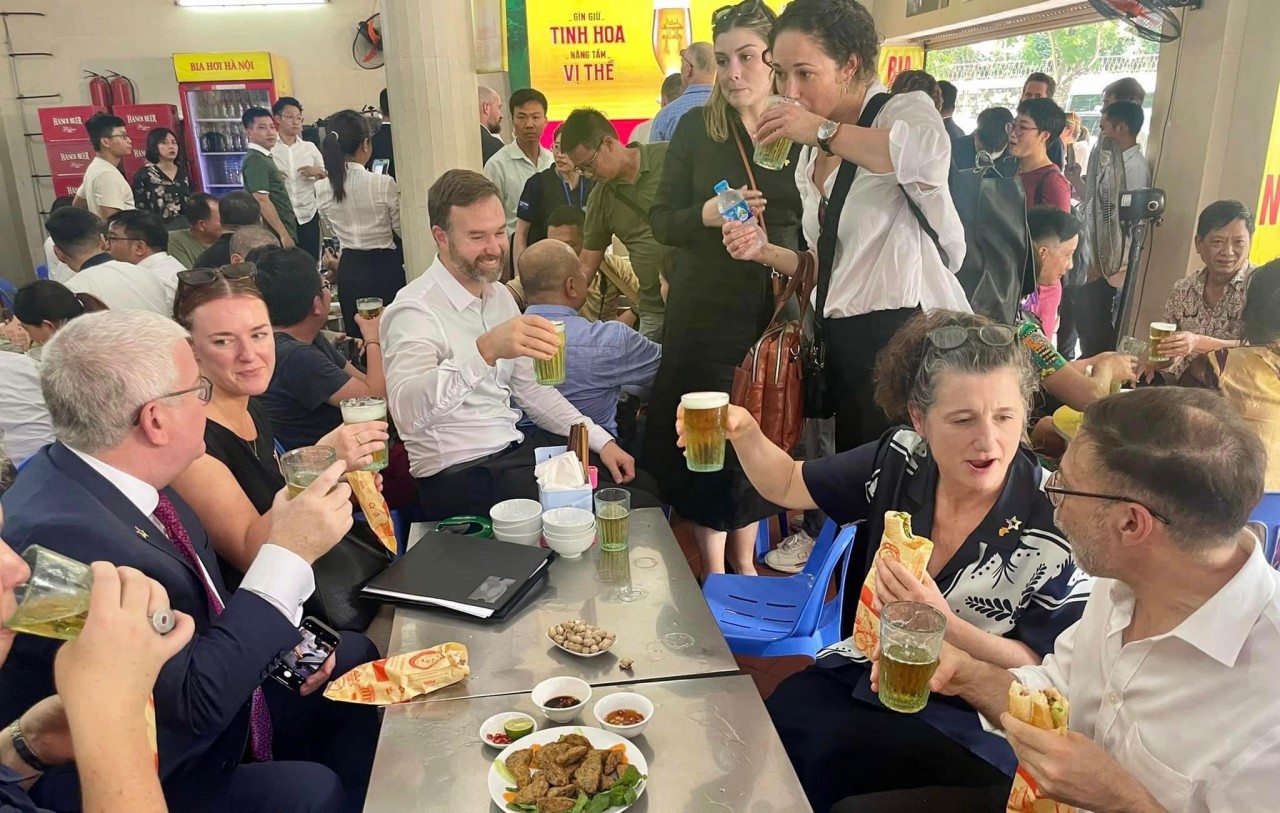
(705, 414)
(363, 410)
(303, 465)
(910, 640)
(613, 521)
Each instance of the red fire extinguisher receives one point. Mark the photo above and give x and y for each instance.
(122, 89)
(99, 90)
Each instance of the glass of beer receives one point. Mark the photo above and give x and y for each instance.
(910, 640)
(704, 417)
(303, 465)
(1160, 330)
(551, 372)
(363, 410)
(369, 307)
(55, 600)
(613, 518)
(672, 33)
(774, 156)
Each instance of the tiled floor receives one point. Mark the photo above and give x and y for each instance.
(766, 672)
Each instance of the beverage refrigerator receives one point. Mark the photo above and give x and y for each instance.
(215, 89)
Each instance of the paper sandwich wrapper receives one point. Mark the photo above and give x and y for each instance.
(912, 551)
(376, 513)
(1033, 708)
(402, 678)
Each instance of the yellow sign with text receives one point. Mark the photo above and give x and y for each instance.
(1266, 237)
(222, 67)
(894, 59)
(609, 55)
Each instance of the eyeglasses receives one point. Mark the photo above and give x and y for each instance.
(589, 166)
(953, 336)
(290, 118)
(124, 135)
(231, 273)
(111, 238)
(203, 391)
(1055, 493)
(1021, 128)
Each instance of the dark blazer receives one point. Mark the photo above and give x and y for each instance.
(202, 696)
(489, 144)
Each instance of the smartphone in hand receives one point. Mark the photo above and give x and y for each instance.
(294, 666)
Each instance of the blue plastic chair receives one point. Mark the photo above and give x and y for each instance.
(772, 617)
(7, 292)
(1267, 514)
(763, 532)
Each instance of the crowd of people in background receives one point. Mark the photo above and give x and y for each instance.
(179, 342)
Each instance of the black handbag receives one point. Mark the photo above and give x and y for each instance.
(339, 575)
(998, 269)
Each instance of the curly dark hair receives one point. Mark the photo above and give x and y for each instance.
(843, 28)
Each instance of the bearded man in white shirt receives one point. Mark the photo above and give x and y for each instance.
(457, 352)
(1171, 670)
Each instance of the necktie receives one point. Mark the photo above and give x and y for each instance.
(259, 716)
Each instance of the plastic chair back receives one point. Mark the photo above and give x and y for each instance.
(42, 271)
(1267, 515)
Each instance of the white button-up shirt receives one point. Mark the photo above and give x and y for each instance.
(510, 169)
(448, 403)
(302, 190)
(883, 259)
(368, 216)
(25, 426)
(281, 577)
(1194, 714)
(127, 287)
(1137, 169)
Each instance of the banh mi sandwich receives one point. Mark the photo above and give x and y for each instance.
(1048, 710)
(913, 552)
(374, 506)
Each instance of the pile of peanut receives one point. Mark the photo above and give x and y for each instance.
(579, 636)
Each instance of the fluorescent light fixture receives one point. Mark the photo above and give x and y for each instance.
(247, 3)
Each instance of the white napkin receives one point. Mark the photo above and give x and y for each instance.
(560, 473)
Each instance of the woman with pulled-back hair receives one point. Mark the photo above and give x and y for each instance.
(362, 209)
(44, 306)
(959, 387)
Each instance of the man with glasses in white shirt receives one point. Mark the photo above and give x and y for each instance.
(301, 165)
(1171, 672)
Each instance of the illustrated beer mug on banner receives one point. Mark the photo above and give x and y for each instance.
(672, 33)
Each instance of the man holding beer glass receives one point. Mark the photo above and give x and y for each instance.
(1000, 573)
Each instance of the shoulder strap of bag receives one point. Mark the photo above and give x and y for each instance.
(829, 236)
(924, 225)
(751, 177)
(635, 207)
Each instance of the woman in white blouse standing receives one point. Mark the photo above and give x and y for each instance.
(879, 266)
(362, 209)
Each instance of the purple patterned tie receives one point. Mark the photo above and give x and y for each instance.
(259, 716)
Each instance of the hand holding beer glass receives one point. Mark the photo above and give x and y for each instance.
(363, 410)
(303, 465)
(774, 156)
(911, 637)
(1159, 331)
(550, 372)
(705, 415)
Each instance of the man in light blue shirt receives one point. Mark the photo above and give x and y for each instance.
(698, 70)
(600, 357)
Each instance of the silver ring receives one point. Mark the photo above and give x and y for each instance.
(163, 621)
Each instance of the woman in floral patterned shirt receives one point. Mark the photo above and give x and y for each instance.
(162, 184)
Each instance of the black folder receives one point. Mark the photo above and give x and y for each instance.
(483, 578)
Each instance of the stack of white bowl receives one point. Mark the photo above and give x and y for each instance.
(569, 531)
(518, 521)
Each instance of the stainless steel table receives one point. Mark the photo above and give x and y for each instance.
(668, 634)
(711, 748)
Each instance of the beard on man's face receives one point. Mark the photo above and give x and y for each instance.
(482, 269)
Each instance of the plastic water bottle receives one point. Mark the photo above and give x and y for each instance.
(733, 206)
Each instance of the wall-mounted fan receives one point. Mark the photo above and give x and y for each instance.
(366, 49)
(1152, 20)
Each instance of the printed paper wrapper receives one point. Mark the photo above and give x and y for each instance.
(402, 678)
(374, 506)
(1024, 797)
(1032, 707)
(912, 551)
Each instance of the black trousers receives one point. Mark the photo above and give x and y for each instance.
(1067, 335)
(364, 273)
(852, 345)
(842, 747)
(509, 476)
(1093, 303)
(309, 236)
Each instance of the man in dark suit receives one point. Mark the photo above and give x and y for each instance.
(127, 402)
(381, 142)
(949, 94)
(490, 123)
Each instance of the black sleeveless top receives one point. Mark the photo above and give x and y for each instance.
(252, 463)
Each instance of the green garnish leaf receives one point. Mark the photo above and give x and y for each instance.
(522, 808)
(581, 804)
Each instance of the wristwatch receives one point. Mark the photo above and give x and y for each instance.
(24, 750)
(826, 132)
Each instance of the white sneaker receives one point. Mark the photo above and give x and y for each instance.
(792, 554)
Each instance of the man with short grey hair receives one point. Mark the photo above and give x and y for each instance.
(127, 402)
(698, 70)
(248, 238)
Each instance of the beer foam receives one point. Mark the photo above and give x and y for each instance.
(359, 410)
(704, 400)
(1169, 326)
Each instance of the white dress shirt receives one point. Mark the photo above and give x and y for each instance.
(24, 419)
(302, 190)
(58, 270)
(368, 216)
(510, 169)
(1192, 714)
(126, 287)
(104, 185)
(883, 259)
(166, 266)
(281, 577)
(449, 405)
(1137, 169)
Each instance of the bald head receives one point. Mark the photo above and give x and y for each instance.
(698, 64)
(490, 108)
(247, 238)
(545, 268)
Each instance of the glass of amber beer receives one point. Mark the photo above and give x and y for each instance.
(55, 600)
(1159, 331)
(910, 640)
(550, 373)
(705, 414)
(363, 410)
(369, 307)
(303, 465)
(774, 156)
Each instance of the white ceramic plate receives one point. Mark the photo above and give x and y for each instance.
(494, 725)
(581, 654)
(598, 738)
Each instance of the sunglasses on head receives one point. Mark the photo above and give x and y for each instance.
(745, 9)
(953, 336)
(204, 276)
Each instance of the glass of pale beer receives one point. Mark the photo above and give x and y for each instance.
(1160, 330)
(369, 307)
(55, 600)
(910, 640)
(303, 465)
(551, 372)
(774, 156)
(705, 414)
(363, 410)
(613, 518)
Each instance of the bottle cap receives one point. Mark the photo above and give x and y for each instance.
(721, 187)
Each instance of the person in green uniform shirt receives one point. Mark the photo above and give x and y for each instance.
(627, 178)
(261, 177)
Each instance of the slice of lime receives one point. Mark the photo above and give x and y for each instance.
(518, 727)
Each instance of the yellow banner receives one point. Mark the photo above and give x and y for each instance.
(1266, 237)
(611, 55)
(894, 59)
(223, 67)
